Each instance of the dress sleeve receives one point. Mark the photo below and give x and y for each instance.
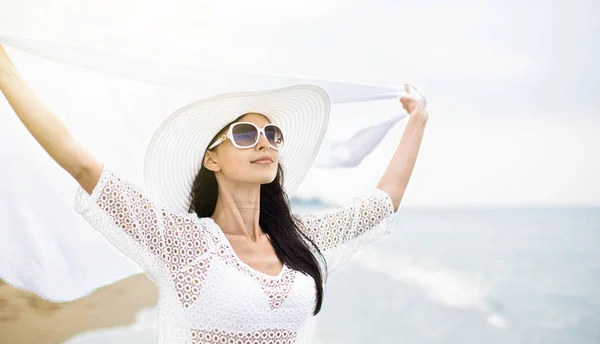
(344, 231)
(154, 237)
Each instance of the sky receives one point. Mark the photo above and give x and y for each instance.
(514, 118)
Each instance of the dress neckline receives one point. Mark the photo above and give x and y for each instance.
(225, 240)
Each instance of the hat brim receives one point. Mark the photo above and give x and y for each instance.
(176, 150)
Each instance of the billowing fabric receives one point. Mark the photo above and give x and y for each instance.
(207, 294)
(45, 246)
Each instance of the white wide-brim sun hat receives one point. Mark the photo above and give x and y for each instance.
(176, 150)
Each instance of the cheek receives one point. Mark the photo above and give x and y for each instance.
(233, 159)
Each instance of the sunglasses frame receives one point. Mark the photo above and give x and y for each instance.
(229, 135)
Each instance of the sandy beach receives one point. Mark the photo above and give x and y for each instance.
(25, 318)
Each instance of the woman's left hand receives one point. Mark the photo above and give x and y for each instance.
(414, 102)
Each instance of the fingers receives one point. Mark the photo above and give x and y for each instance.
(407, 92)
(411, 94)
(421, 95)
(417, 91)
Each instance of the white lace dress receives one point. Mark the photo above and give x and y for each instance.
(206, 293)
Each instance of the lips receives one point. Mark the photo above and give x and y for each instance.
(262, 158)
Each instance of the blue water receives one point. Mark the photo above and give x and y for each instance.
(472, 276)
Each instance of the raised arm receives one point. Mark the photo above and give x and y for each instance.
(396, 176)
(154, 237)
(47, 129)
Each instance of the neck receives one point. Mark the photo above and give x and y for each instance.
(238, 210)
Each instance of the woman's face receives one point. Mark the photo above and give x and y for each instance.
(236, 164)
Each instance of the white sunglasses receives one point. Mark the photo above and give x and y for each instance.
(246, 135)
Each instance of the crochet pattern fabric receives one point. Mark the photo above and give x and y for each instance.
(207, 294)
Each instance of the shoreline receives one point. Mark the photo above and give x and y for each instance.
(26, 318)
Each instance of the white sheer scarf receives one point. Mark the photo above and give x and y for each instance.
(112, 102)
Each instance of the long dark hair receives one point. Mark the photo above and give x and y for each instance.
(276, 219)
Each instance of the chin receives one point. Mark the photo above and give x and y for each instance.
(266, 179)
(263, 175)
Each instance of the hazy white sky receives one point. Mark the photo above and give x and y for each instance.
(511, 85)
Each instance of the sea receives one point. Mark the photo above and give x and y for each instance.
(449, 275)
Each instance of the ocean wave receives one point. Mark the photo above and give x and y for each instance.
(143, 330)
(308, 202)
(447, 288)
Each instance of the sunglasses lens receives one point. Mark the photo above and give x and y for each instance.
(244, 134)
(274, 135)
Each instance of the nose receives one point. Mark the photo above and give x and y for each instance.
(263, 143)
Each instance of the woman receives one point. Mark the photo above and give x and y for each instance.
(215, 230)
